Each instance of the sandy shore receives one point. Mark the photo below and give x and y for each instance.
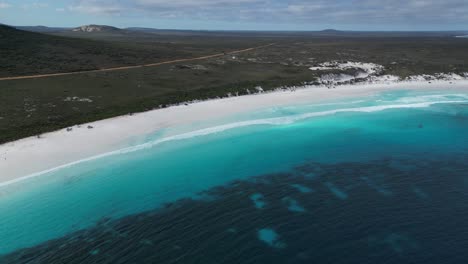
(24, 157)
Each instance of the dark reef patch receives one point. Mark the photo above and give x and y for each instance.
(395, 211)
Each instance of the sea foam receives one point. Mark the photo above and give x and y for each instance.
(417, 102)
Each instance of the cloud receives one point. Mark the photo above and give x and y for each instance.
(34, 5)
(98, 7)
(193, 3)
(290, 11)
(4, 5)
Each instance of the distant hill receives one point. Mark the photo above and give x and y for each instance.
(331, 31)
(82, 29)
(26, 53)
(322, 33)
(143, 29)
(42, 29)
(4, 29)
(101, 32)
(96, 29)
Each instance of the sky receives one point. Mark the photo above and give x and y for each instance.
(404, 15)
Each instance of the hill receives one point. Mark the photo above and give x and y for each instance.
(331, 31)
(33, 106)
(96, 28)
(105, 32)
(26, 53)
(42, 29)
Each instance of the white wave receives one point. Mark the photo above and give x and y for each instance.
(428, 98)
(342, 103)
(274, 109)
(218, 129)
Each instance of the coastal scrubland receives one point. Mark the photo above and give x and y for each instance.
(33, 106)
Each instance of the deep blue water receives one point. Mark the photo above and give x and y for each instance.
(382, 179)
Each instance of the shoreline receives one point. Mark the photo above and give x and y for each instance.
(62, 148)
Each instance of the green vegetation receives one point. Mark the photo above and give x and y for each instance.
(34, 106)
(28, 53)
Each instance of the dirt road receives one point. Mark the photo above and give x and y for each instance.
(133, 67)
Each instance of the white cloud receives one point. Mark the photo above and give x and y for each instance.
(34, 5)
(4, 5)
(304, 8)
(97, 7)
(287, 11)
(193, 3)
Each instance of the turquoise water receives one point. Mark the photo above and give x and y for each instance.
(168, 168)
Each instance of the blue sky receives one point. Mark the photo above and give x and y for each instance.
(242, 14)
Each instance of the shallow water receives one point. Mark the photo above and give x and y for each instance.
(381, 179)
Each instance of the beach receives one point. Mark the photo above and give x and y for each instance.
(300, 154)
(233, 132)
(30, 157)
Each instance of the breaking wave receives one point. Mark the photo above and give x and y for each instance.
(408, 102)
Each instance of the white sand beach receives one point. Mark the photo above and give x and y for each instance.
(20, 159)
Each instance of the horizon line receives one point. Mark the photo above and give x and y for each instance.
(238, 30)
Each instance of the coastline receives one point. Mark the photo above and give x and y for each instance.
(22, 158)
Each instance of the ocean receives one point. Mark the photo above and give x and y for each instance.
(378, 179)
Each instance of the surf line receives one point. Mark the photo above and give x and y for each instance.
(276, 121)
